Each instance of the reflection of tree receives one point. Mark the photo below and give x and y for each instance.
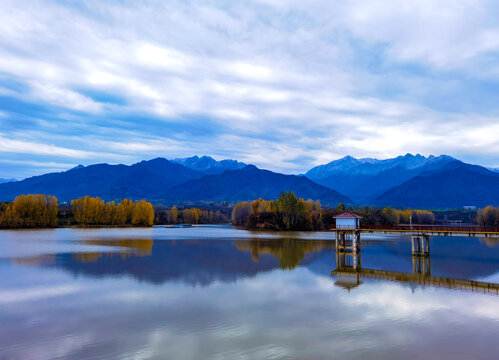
(290, 252)
(131, 247)
(139, 247)
(36, 260)
(490, 242)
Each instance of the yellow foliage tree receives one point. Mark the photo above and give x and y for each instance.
(143, 214)
(93, 211)
(30, 211)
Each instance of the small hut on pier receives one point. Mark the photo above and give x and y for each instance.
(348, 221)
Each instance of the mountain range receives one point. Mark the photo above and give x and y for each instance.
(364, 180)
(405, 181)
(208, 165)
(410, 181)
(455, 185)
(251, 183)
(167, 182)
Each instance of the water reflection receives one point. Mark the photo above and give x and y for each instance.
(133, 247)
(226, 296)
(203, 262)
(193, 262)
(349, 274)
(289, 251)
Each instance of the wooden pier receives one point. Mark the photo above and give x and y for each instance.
(348, 238)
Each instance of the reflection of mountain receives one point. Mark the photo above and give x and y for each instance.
(290, 252)
(195, 262)
(202, 262)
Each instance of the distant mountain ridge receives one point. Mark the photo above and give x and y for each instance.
(365, 179)
(161, 180)
(208, 165)
(2, 180)
(456, 185)
(405, 181)
(374, 166)
(250, 183)
(146, 179)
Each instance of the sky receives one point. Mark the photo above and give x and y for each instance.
(282, 84)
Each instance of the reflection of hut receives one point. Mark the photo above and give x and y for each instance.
(347, 220)
(347, 270)
(348, 280)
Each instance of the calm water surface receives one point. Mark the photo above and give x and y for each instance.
(213, 292)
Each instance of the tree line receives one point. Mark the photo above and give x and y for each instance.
(488, 216)
(42, 211)
(173, 215)
(289, 212)
(94, 211)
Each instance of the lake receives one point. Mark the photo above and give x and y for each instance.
(214, 292)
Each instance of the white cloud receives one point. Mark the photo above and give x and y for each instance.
(30, 294)
(37, 148)
(63, 97)
(163, 58)
(289, 77)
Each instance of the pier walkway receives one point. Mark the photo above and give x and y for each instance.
(349, 271)
(348, 238)
(434, 230)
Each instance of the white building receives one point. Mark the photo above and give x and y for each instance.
(348, 220)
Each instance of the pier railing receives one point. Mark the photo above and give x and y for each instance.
(428, 228)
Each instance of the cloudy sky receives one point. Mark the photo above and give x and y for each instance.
(283, 84)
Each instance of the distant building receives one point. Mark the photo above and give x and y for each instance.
(469, 207)
(348, 220)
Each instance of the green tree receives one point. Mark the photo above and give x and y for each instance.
(290, 207)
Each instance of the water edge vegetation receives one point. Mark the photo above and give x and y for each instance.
(288, 212)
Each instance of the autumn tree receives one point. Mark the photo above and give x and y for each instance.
(240, 213)
(142, 214)
(488, 216)
(173, 215)
(29, 211)
(94, 211)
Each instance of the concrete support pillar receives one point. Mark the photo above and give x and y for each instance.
(348, 240)
(420, 245)
(427, 245)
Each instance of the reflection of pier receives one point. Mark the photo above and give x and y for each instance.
(349, 274)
